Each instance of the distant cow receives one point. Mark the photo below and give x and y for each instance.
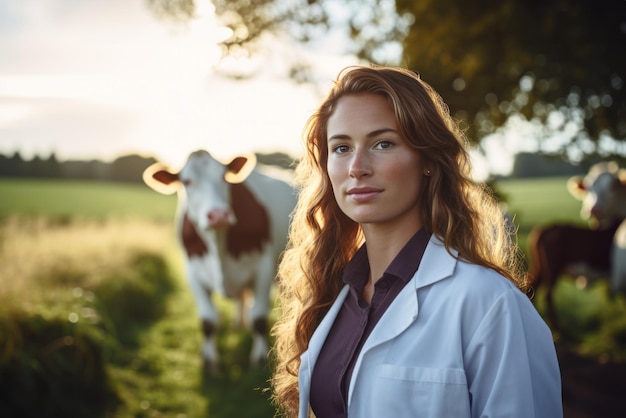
(603, 193)
(576, 251)
(232, 222)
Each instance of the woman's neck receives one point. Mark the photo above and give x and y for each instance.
(383, 245)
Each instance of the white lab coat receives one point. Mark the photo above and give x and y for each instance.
(458, 341)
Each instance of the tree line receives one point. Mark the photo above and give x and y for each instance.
(126, 168)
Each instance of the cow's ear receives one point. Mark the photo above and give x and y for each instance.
(237, 164)
(159, 178)
(239, 168)
(576, 187)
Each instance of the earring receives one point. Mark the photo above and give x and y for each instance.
(427, 172)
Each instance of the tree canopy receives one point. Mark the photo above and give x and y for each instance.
(490, 59)
(559, 63)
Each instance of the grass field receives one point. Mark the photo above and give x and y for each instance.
(93, 261)
(71, 199)
(100, 261)
(538, 202)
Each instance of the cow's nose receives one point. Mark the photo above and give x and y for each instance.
(219, 218)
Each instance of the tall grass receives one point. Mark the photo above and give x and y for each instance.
(75, 300)
(84, 270)
(79, 253)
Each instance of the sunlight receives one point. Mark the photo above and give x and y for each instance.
(113, 79)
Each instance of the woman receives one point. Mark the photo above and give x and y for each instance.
(402, 293)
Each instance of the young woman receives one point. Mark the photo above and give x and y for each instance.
(402, 293)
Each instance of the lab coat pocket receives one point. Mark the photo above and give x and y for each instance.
(421, 392)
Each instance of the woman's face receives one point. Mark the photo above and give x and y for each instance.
(376, 176)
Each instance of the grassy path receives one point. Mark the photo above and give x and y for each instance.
(166, 378)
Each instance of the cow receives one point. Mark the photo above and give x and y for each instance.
(603, 195)
(232, 224)
(563, 249)
(590, 253)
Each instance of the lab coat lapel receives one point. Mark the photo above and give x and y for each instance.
(436, 264)
(316, 343)
(319, 336)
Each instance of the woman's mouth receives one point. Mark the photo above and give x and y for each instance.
(362, 194)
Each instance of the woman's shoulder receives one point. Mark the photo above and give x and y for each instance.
(473, 279)
(461, 277)
(475, 293)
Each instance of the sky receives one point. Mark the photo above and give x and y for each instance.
(103, 78)
(99, 79)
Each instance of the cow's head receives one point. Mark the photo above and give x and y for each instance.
(205, 182)
(602, 193)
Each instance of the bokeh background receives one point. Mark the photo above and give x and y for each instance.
(95, 315)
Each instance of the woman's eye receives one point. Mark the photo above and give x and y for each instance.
(340, 149)
(384, 144)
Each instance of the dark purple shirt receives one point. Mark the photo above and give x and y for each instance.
(354, 323)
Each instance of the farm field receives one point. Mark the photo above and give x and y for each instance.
(71, 199)
(538, 202)
(98, 263)
(96, 319)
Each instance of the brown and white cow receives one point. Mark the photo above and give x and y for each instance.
(592, 253)
(603, 193)
(232, 222)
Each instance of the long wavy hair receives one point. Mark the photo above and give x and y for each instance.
(461, 212)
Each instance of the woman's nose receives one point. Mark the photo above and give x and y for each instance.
(360, 165)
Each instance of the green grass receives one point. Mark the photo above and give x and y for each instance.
(539, 201)
(67, 250)
(61, 199)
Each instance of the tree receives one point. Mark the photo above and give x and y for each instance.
(369, 26)
(491, 59)
(559, 63)
(129, 167)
